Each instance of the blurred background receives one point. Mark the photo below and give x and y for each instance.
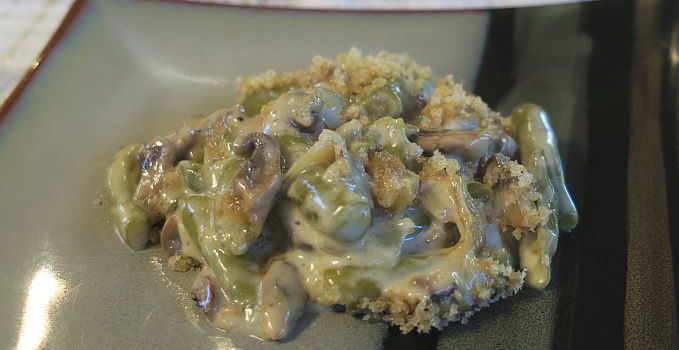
(27, 25)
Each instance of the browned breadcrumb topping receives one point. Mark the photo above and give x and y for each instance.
(267, 81)
(409, 312)
(392, 185)
(350, 74)
(355, 111)
(438, 167)
(451, 107)
(180, 263)
(515, 195)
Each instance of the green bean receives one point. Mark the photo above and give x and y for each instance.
(398, 98)
(174, 204)
(237, 277)
(532, 122)
(391, 135)
(390, 234)
(125, 172)
(333, 207)
(188, 227)
(410, 130)
(300, 186)
(218, 175)
(356, 282)
(501, 255)
(329, 187)
(192, 175)
(133, 224)
(350, 130)
(479, 190)
(352, 288)
(131, 220)
(253, 102)
(282, 299)
(292, 148)
(540, 157)
(333, 104)
(358, 144)
(568, 214)
(384, 101)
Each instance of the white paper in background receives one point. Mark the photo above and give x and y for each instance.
(25, 28)
(27, 25)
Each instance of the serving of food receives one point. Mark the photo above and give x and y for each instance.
(365, 184)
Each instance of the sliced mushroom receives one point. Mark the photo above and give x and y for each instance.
(505, 144)
(254, 188)
(283, 299)
(169, 236)
(159, 158)
(262, 168)
(204, 293)
(308, 121)
(468, 144)
(219, 129)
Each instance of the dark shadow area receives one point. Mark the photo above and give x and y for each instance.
(497, 74)
(596, 318)
(670, 127)
(413, 340)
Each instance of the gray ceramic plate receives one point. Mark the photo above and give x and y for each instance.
(126, 71)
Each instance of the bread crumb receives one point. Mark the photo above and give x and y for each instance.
(451, 107)
(180, 263)
(392, 185)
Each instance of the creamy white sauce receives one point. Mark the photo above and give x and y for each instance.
(446, 245)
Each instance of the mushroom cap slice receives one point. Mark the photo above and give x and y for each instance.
(468, 144)
(283, 299)
(169, 236)
(254, 189)
(157, 179)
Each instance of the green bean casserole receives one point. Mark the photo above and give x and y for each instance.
(365, 183)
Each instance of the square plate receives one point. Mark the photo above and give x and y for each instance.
(126, 71)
